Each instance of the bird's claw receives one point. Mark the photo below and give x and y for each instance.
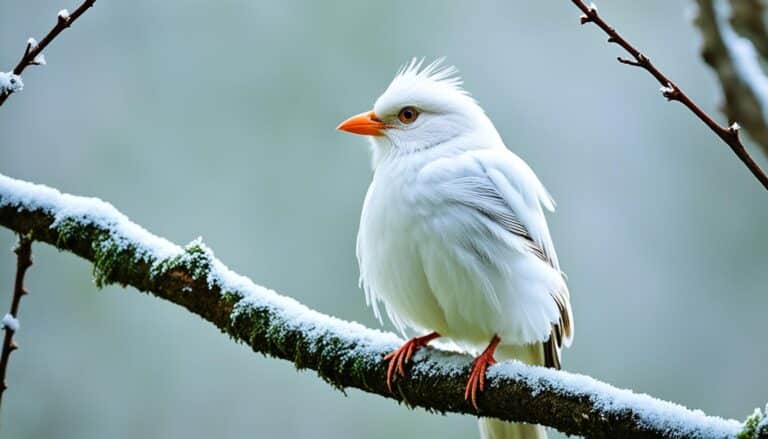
(399, 358)
(477, 378)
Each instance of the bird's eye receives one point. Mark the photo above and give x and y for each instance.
(408, 115)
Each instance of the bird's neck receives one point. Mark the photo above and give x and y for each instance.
(387, 155)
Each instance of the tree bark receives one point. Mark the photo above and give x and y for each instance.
(346, 355)
(735, 45)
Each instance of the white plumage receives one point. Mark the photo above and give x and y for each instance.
(453, 237)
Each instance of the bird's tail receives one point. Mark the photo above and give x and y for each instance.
(495, 429)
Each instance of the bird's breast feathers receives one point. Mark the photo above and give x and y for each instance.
(446, 249)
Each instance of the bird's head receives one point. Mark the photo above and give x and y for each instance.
(423, 108)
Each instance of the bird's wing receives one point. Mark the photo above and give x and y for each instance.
(523, 195)
(503, 188)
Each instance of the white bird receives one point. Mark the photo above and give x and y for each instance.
(453, 239)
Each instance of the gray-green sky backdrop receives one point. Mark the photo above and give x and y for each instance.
(217, 119)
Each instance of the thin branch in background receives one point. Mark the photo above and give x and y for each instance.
(11, 320)
(747, 20)
(735, 49)
(671, 91)
(11, 82)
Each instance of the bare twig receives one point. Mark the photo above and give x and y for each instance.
(671, 91)
(64, 19)
(10, 322)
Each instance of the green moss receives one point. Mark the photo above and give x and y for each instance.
(360, 366)
(750, 429)
(230, 297)
(70, 230)
(249, 327)
(277, 336)
(331, 360)
(196, 260)
(108, 256)
(298, 357)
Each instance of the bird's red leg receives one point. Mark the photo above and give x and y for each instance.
(399, 358)
(477, 376)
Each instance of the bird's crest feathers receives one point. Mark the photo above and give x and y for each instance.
(436, 71)
(433, 86)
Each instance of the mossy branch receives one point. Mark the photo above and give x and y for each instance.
(346, 355)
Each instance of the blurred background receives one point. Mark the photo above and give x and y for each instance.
(218, 121)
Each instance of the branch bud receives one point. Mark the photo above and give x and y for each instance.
(63, 16)
(669, 91)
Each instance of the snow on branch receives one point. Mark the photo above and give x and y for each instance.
(33, 53)
(728, 134)
(735, 45)
(345, 354)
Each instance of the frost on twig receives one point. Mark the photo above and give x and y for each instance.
(33, 51)
(11, 320)
(31, 43)
(729, 137)
(735, 45)
(345, 354)
(10, 83)
(39, 60)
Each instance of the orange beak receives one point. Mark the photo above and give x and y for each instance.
(366, 124)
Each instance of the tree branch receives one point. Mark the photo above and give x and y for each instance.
(11, 82)
(735, 49)
(672, 91)
(11, 320)
(344, 354)
(747, 20)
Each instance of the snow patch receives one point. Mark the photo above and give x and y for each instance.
(156, 250)
(86, 211)
(678, 420)
(10, 322)
(10, 83)
(293, 314)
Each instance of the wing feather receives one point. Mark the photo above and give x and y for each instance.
(505, 190)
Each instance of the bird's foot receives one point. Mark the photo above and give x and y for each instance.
(399, 358)
(477, 376)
